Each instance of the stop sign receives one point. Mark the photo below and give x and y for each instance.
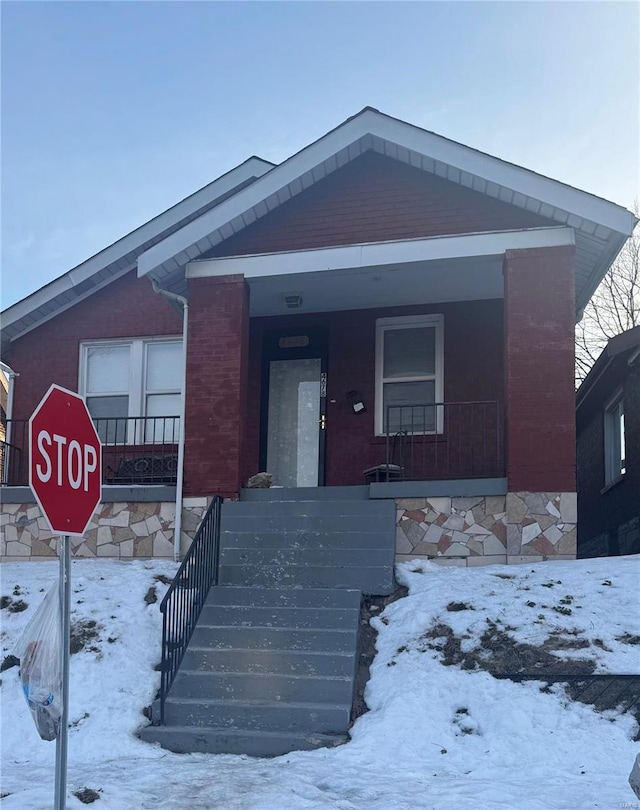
(65, 461)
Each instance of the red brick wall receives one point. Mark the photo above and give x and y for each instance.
(372, 199)
(125, 308)
(216, 384)
(473, 348)
(539, 369)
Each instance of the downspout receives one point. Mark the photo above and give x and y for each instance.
(11, 375)
(183, 408)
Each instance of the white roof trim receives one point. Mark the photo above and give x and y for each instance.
(253, 167)
(373, 254)
(370, 122)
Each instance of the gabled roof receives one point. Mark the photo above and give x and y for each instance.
(624, 347)
(121, 257)
(601, 227)
(162, 247)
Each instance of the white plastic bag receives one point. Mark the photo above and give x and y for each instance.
(39, 652)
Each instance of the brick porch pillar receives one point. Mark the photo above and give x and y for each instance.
(217, 350)
(540, 403)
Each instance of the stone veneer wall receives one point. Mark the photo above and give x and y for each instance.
(519, 527)
(123, 530)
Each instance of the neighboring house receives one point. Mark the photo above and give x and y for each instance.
(385, 296)
(608, 441)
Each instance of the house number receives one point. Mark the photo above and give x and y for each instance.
(323, 385)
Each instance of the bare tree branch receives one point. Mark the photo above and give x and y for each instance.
(614, 307)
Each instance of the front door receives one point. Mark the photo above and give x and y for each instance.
(293, 412)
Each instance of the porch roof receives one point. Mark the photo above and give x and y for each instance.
(380, 274)
(601, 227)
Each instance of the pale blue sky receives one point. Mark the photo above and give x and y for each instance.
(112, 112)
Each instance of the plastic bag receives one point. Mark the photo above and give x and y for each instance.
(39, 652)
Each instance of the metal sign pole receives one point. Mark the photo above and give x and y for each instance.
(63, 734)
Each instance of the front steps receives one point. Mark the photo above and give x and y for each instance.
(271, 664)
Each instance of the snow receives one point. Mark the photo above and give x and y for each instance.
(436, 737)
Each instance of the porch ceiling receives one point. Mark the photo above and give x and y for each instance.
(461, 279)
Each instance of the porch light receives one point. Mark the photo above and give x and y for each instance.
(292, 300)
(355, 400)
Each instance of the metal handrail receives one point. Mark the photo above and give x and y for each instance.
(446, 439)
(186, 596)
(136, 450)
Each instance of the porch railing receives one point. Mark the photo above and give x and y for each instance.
(445, 440)
(186, 596)
(135, 450)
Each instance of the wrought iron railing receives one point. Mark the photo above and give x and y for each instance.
(135, 450)
(445, 440)
(187, 593)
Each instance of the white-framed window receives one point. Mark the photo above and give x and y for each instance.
(132, 388)
(614, 444)
(409, 374)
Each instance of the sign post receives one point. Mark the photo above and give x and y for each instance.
(65, 475)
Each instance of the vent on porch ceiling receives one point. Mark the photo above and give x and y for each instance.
(292, 300)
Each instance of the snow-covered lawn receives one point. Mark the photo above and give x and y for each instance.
(437, 736)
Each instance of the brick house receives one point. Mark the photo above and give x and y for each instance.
(608, 455)
(385, 300)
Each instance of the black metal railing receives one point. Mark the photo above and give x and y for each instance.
(135, 450)
(187, 593)
(14, 453)
(445, 440)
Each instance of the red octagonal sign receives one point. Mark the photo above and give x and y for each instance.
(65, 461)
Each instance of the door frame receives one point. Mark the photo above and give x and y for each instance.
(272, 350)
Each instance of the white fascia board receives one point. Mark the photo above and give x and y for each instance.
(253, 167)
(370, 122)
(517, 178)
(287, 172)
(374, 254)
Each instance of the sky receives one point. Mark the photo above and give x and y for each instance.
(114, 111)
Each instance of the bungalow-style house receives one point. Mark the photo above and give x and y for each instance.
(386, 309)
(608, 442)
(383, 323)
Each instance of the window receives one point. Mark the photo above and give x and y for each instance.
(614, 449)
(409, 374)
(131, 387)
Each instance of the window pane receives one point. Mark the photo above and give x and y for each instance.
(165, 428)
(409, 352)
(107, 369)
(406, 407)
(110, 417)
(164, 366)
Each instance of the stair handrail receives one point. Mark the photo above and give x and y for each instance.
(183, 602)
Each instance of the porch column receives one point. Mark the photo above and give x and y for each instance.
(540, 403)
(217, 351)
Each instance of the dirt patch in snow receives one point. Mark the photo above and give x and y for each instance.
(84, 635)
(371, 606)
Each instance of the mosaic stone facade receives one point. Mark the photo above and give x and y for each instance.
(480, 530)
(123, 530)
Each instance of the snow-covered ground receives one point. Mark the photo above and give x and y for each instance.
(437, 736)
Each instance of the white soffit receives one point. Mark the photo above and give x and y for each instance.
(372, 130)
(377, 254)
(120, 257)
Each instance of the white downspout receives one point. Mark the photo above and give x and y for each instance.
(11, 375)
(183, 408)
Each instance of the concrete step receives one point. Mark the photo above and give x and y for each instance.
(305, 494)
(211, 740)
(290, 537)
(258, 715)
(267, 662)
(369, 579)
(274, 638)
(317, 508)
(284, 597)
(292, 617)
(254, 686)
(348, 524)
(329, 557)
